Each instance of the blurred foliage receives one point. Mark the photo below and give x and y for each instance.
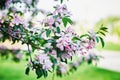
(13, 54)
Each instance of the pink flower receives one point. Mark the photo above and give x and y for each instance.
(1, 21)
(59, 45)
(14, 9)
(90, 45)
(27, 1)
(69, 30)
(83, 51)
(62, 42)
(58, 10)
(44, 60)
(66, 56)
(49, 22)
(92, 54)
(2, 16)
(7, 3)
(92, 34)
(74, 47)
(63, 67)
(61, 10)
(67, 47)
(18, 20)
(53, 52)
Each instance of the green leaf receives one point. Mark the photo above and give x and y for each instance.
(64, 60)
(58, 30)
(103, 28)
(61, 1)
(39, 73)
(49, 14)
(102, 41)
(69, 20)
(42, 42)
(84, 35)
(48, 31)
(27, 71)
(53, 59)
(102, 33)
(75, 38)
(66, 20)
(71, 58)
(46, 50)
(89, 61)
(97, 39)
(45, 73)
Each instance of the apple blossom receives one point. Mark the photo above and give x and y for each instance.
(44, 60)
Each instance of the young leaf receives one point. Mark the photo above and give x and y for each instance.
(27, 71)
(103, 28)
(66, 61)
(84, 35)
(39, 73)
(61, 1)
(66, 20)
(89, 61)
(75, 38)
(45, 73)
(102, 33)
(49, 14)
(48, 32)
(58, 30)
(102, 41)
(97, 39)
(69, 20)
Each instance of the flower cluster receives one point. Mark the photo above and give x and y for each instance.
(65, 43)
(13, 19)
(43, 60)
(55, 18)
(17, 20)
(61, 11)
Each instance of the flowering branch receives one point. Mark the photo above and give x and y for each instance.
(52, 44)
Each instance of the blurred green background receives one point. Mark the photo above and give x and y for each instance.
(15, 71)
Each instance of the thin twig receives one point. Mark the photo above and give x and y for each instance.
(12, 35)
(21, 39)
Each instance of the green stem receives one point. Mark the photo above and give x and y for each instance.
(53, 77)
